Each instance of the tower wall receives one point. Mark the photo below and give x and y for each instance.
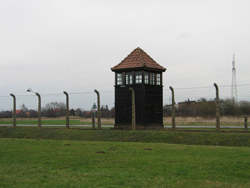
(148, 107)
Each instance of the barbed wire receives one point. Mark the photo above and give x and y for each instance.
(85, 99)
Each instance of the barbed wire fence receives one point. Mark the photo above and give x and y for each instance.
(84, 100)
(208, 92)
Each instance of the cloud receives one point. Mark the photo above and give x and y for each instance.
(183, 35)
(53, 46)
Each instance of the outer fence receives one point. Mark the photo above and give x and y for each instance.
(217, 99)
(67, 108)
(173, 92)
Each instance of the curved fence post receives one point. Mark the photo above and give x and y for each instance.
(98, 109)
(67, 109)
(39, 106)
(39, 110)
(14, 109)
(133, 109)
(217, 108)
(173, 108)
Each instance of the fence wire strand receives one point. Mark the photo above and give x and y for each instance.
(85, 99)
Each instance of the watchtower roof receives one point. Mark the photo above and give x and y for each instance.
(138, 59)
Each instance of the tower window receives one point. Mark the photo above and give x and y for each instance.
(146, 77)
(119, 79)
(138, 77)
(129, 78)
(158, 79)
(128, 109)
(152, 78)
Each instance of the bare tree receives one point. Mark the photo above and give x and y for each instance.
(54, 109)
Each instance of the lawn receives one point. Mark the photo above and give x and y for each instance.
(189, 137)
(65, 163)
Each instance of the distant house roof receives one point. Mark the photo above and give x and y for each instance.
(138, 59)
(89, 112)
(18, 111)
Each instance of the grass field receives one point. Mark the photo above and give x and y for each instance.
(172, 137)
(50, 163)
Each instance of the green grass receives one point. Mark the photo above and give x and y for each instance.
(189, 138)
(54, 163)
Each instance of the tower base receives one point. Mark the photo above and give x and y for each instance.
(129, 127)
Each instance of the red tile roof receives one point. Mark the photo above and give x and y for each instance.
(138, 59)
(18, 111)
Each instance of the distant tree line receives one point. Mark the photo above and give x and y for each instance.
(204, 107)
(201, 107)
(57, 109)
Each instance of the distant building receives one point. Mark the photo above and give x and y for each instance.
(140, 72)
(18, 111)
(22, 114)
(185, 104)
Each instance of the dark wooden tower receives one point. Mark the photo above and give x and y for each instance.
(140, 72)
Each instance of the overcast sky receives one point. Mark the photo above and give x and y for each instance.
(70, 45)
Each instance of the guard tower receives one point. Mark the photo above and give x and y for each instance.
(140, 72)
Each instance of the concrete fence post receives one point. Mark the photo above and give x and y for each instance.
(173, 109)
(98, 109)
(14, 109)
(217, 108)
(39, 110)
(67, 109)
(133, 109)
(245, 123)
(93, 119)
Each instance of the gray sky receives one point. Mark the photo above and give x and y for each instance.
(61, 45)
